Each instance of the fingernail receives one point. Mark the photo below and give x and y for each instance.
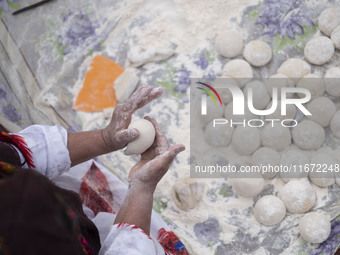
(134, 133)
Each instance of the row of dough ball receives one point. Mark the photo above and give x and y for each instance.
(230, 44)
(314, 227)
(319, 50)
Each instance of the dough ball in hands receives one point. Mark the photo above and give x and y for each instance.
(335, 124)
(291, 158)
(246, 140)
(257, 53)
(308, 135)
(329, 19)
(260, 97)
(319, 50)
(313, 83)
(294, 68)
(248, 187)
(214, 111)
(269, 210)
(331, 80)
(145, 139)
(279, 81)
(187, 193)
(315, 227)
(266, 157)
(240, 70)
(322, 175)
(298, 196)
(276, 137)
(335, 37)
(229, 44)
(322, 110)
(218, 136)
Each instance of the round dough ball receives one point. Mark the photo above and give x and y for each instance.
(329, 19)
(332, 81)
(322, 110)
(318, 176)
(279, 81)
(260, 95)
(187, 193)
(257, 53)
(266, 157)
(335, 37)
(294, 68)
(225, 94)
(313, 83)
(315, 227)
(269, 210)
(248, 187)
(308, 135)
(291, 158)
(214, 111)
(298, 196)
(290, 111)
(276, 137)
(218, 136)
(246, 140)
(240, 69)
(145, 139)
(229, 44)
(335, 124)
(228, 114)
(319, 50)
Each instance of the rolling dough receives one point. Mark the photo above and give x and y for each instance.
(290, 112)
(319, 50)
(228, 114)
(240, 69)
(335, 37)
(308, 135)
(298, 196)
(291, 158)
(318, 177)
(187, 193)
(266, 157)
(229, 44)
(277, 137)
(278, 81)
(313, 83)
(145, 139)
(322, 110)
(294, 68)
(269, 210)
(260, 96)
(332, 81)
(214, 111)
(248, 187)
(257, 53)
(315, 227)
(219, 136)
(329, 19)
(335, 124)
(246, 140)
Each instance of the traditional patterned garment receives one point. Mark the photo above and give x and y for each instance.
(101, 193)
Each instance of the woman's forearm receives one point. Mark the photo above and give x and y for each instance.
(83, 146)
(137, 207)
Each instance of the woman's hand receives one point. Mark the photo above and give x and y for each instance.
(116, 135)
(154, 162)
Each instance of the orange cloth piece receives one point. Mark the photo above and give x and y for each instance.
(97, 92)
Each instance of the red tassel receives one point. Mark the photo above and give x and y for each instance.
(20, 143)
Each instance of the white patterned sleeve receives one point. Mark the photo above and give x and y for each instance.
(48, 145)
(127, 239)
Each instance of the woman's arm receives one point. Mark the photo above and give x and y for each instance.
(143, 179)
(83, 146)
